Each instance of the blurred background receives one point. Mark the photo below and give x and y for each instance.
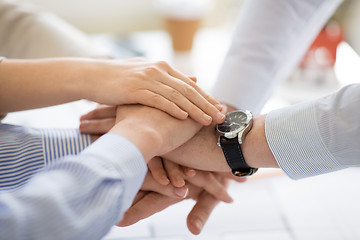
(269, 205)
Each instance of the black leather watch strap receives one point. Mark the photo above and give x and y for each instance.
(235, 157)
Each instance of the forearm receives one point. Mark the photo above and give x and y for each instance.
(28, 84)
(202, 151)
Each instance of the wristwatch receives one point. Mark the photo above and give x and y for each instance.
(231, 135)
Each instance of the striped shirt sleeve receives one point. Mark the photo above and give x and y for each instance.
(79, 197)
(318, 136)
(23, 151)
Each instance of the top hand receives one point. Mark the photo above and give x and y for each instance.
(113, 82)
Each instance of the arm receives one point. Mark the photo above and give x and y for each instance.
(268, 42)
(38, 34)
(52, 205)
(321, 136)
(85, 195)
(27, 84)
(202, 151)
(304, 140)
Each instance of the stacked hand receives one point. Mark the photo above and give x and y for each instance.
(167, 182)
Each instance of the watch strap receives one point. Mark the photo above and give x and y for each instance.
(235, 157)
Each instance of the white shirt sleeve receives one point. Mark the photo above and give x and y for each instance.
(28, 32)
(81, 197)
(318, 136)
(269, 40)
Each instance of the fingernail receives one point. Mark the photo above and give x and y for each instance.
(220, 116)
(219, 106)
(165, 179)
(191, 172)
(198, 224)
(229, 199)
(206, 117)
(182, 192)
(180, 181)
(185, 114)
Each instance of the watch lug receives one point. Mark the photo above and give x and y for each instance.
(240, 135)
(218, 143)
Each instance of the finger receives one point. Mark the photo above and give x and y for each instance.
(169, 190)
(175, 173)
(188, 172)
(201, 212)
(193, 78)
(150, 204)
(99, 126)
(212, 185)
(138, 197)
(173, 72)
(155, 100)
(176, 97)
(157, 170)
(196, 105)
(104, 111)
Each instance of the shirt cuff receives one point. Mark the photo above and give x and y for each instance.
(58, 143)
(293, 136)
(125, 157)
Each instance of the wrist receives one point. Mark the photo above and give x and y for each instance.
(255, 148)
(84, 78)
(146, 139)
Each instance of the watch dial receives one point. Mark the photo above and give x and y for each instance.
(233, 121)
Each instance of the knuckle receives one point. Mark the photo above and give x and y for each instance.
(175, 94)
(153, 100)
(162, 64)
(193, 85)
(151, 70)
(188, 90)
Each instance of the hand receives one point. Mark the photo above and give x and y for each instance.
(148, 203)
(136, 81)
(112, 82)
(201, 152)
(98, 121)
(151, 130)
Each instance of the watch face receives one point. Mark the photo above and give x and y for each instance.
(233, 122)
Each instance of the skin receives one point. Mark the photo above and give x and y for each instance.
(148, 203)
(206, 155)
(151, 138)
(28, 84)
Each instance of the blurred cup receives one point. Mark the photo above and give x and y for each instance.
(182, 20)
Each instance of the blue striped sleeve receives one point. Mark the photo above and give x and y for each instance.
(80, 197)
(23, 151)
(58, 143)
